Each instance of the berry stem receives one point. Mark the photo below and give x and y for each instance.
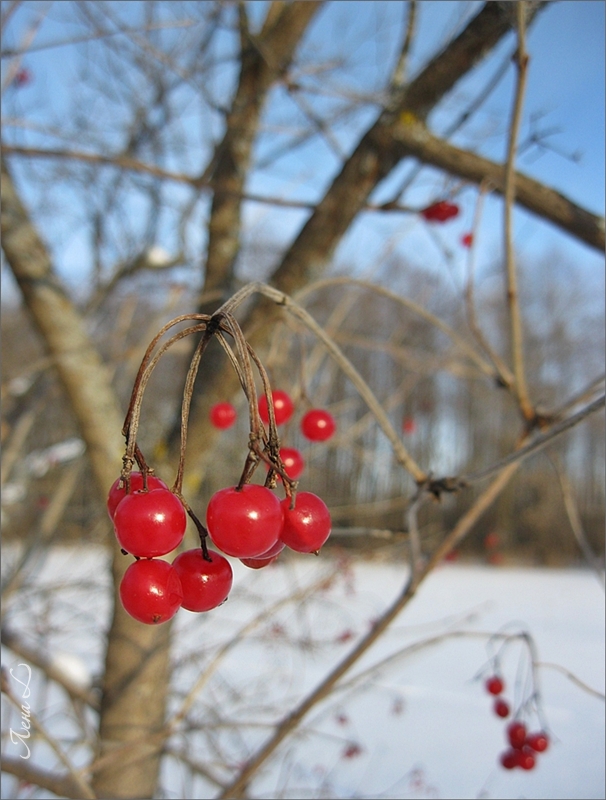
(202, 532)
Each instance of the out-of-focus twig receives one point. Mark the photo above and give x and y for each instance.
(574, 518)
(515, 318)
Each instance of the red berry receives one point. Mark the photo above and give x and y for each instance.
(206, 584)
(149, 524)
(118, 493)
(538, 741)
(283, 407)
(467, 239)
(223, 415)
(501, 707)
(492, 540)
(494, 685)
(23, 77)
(307, 525)
(409, 425)
(293, 462)
(352, 750)
(265, 558)
(516, 733)
(441, 211)
(273, 551)
(244, 522)
(258, 563)
(151, 591)
(318, 425)
(509, 759)
(526, 758)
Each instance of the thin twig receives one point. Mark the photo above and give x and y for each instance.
(536, 444)
(574, 518)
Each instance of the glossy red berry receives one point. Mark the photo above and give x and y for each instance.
(494, 685)
(244, 522)
(151, 591)
(318, 425)
(516, 733)
(117, 493)
(440, 212)
(149, 524)
(293, 461)
(223, 415)
(265, 558)
(538, 741)
(307, 525)
(258, 563)
(283, 407)
(205, 584)
(501, 707)
(509, 759)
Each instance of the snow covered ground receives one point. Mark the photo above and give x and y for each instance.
(412, 719)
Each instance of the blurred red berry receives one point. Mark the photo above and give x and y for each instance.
(352, 750)
(526, 758)
(501, 707)
(494, 685)
(23, 77)
(223, 415)
(283, 407)
(440, 212)
(293, 461)
(467, 239)
(492, 540)
(509, 759)
(409, 425)
(538, 741)
(516, 733)
(318, 425)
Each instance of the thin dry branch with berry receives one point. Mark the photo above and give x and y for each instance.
(246, 521)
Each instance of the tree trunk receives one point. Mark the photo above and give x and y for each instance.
(136, 674)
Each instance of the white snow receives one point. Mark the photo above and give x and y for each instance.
(417, 712)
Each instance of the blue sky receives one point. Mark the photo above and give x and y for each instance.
(566, 88)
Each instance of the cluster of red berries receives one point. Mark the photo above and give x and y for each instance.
(523, 746)
(317, 425)
(440, 212)
(247, 522)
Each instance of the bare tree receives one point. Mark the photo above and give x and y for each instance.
(147, 70)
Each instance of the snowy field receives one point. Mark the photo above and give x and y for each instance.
(412, 719)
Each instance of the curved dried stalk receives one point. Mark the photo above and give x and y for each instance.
(469, 351)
